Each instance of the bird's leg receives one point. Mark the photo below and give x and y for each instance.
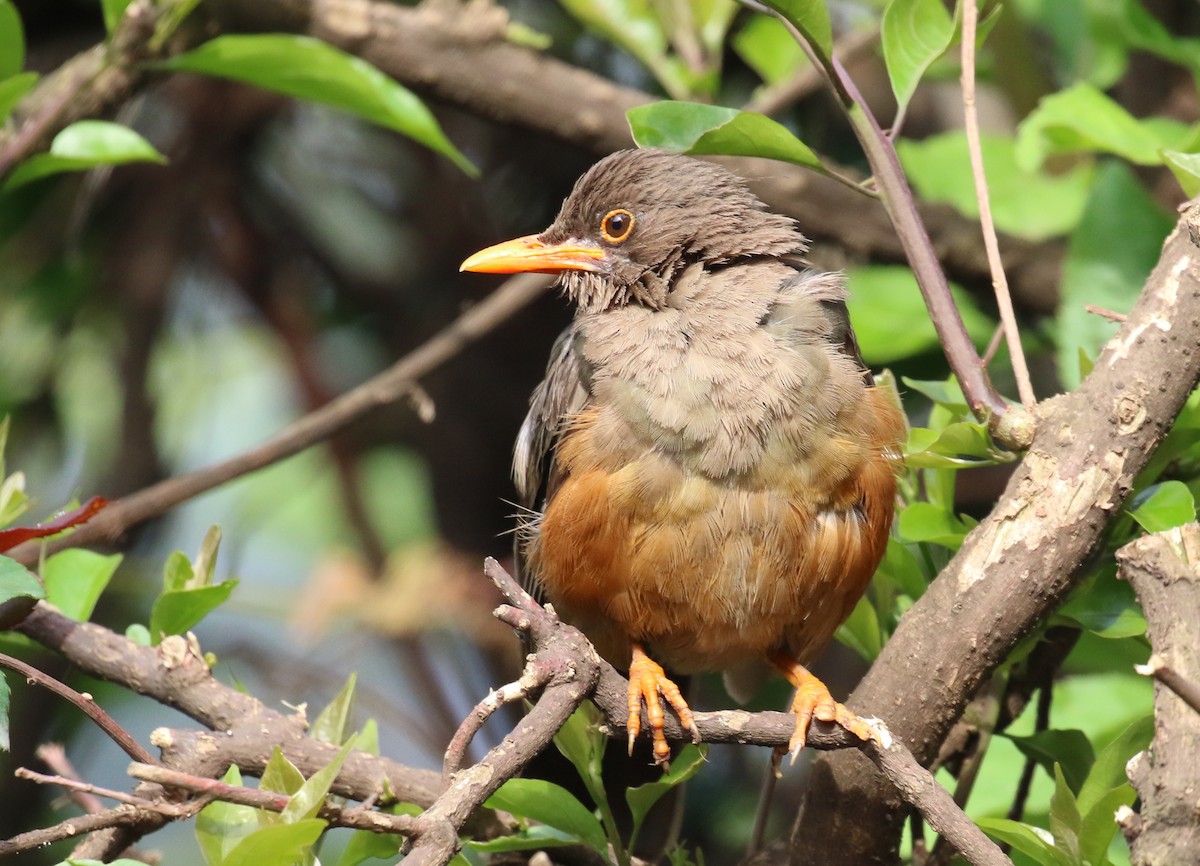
(813, 701)
(647, 681)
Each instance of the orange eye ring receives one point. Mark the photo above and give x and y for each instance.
(617, 226)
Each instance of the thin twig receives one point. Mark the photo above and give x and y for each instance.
(54, 756)
(121, 816)
(1105, 312)
(213, 789)
(1185, 689)
(1011, 427)
(970, 21)
(87, 703)
(171, 810)
(393, 384)
(497, 698)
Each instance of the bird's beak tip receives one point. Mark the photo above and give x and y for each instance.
(530, 255)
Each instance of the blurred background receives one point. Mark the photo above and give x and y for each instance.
(156, 319)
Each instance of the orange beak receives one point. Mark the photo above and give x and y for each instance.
(530, 255)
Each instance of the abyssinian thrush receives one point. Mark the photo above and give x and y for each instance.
(716, 470)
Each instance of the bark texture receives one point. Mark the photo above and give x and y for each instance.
(1164, 570)
(1018, 564)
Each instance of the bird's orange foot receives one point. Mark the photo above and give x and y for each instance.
(647, 682)
(813, 701)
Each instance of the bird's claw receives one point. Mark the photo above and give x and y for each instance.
(813, 701)
(649, 683)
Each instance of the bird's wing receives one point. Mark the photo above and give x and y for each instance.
(830, 290)
(560, 395)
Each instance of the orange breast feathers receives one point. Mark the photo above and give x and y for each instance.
(711, 573)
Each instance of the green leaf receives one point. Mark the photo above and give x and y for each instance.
(12, 89)
(178, 612)
(280, 775)
(221, 826)
(12, 40)
(1065, 820)
(365, 845)
(206, 559)
(276, 845)
(5, 695)
(642, 798)
(82, 145)
(943, 392)
(552, 805)
(1108, 771)
(16, 581)
(692, 128)
(330, 724)
(582, 743)
(767, 47)
(811, 17)
(1070, 749)
(902, 568)
(914, 33)
(139, 634)
(75, 579)
(1107, 608)
(959, 444)
(1185, 167)
(177, 572)
(1100, 825)
(367, 740)
(1081, 118)
(114, 10)
(530, 838)
(1110, 254)
(861, 630)
(1163, 506)
(307, 801)
(307, 68)
(890, 318)
(1033, 842)
(922, 521)
(1028, 203)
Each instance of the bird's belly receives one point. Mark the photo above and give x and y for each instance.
(705, 574)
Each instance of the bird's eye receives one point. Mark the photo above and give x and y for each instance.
(616, 226)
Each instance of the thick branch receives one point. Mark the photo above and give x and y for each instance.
(1164, 570)
(1022, 560)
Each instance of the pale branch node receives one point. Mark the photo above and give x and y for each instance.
(1164, 570)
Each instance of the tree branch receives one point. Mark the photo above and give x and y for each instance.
(1022, 560)
(1164, 570)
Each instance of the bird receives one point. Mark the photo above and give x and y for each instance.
(709, 468)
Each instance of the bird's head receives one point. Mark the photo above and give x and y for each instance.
(634, 220)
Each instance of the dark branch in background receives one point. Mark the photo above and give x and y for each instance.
(1022, 560)
(1164, 570)
(394, 384)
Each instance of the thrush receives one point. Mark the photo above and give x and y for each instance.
(709, 467)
